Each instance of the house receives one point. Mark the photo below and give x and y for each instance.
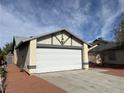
(99, 41)
(109, 53)
(94, 57)
(54, 51)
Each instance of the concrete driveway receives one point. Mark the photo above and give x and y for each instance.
(80, 81)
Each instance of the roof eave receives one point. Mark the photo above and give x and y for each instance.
(26, 40)
(19, 44)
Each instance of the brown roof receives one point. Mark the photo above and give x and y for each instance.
(31, 38)
(104, 47)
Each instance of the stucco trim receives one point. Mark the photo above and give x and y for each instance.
(31, 66)
(85, 57)
(84, 63)
(32, 54)
(58, 46)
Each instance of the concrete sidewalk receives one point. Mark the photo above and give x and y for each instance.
(21, 82)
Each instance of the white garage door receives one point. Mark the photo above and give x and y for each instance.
(49, 60)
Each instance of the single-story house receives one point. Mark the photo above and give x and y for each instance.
(54, 51)
(99, 41)
(109, 53)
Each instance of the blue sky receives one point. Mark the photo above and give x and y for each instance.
(89, 19)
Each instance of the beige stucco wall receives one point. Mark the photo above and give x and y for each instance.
(32, 55)
(75, 42)
(68, 43)
(55, 41)
(65, 35)
(85, 56)
(59, 36)
(47, 40)
(119, 57)
(15, 56)
(44, 40)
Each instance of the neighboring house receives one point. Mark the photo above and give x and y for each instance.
(99, 41)
(9, 58)
(110, 53)
(94, 57)
(55, 51)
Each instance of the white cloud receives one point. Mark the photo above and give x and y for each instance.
(24, 18)
(107, 27)
(109, 16)
(121, 4)
(11, 25)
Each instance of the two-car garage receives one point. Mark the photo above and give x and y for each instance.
(51, 59)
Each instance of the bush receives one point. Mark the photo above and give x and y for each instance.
(2, 72)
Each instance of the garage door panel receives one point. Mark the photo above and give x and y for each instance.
(49, 60)
(52, 69)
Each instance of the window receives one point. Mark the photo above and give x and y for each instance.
(112, 55)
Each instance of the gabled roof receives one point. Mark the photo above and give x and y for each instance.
(99, 41)
(104, 47)
(18, 39)
(45, 34)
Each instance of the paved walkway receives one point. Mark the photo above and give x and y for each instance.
(21, 82)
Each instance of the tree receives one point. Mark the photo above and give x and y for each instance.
(119, 33)
(0, 51)
(7, 48)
